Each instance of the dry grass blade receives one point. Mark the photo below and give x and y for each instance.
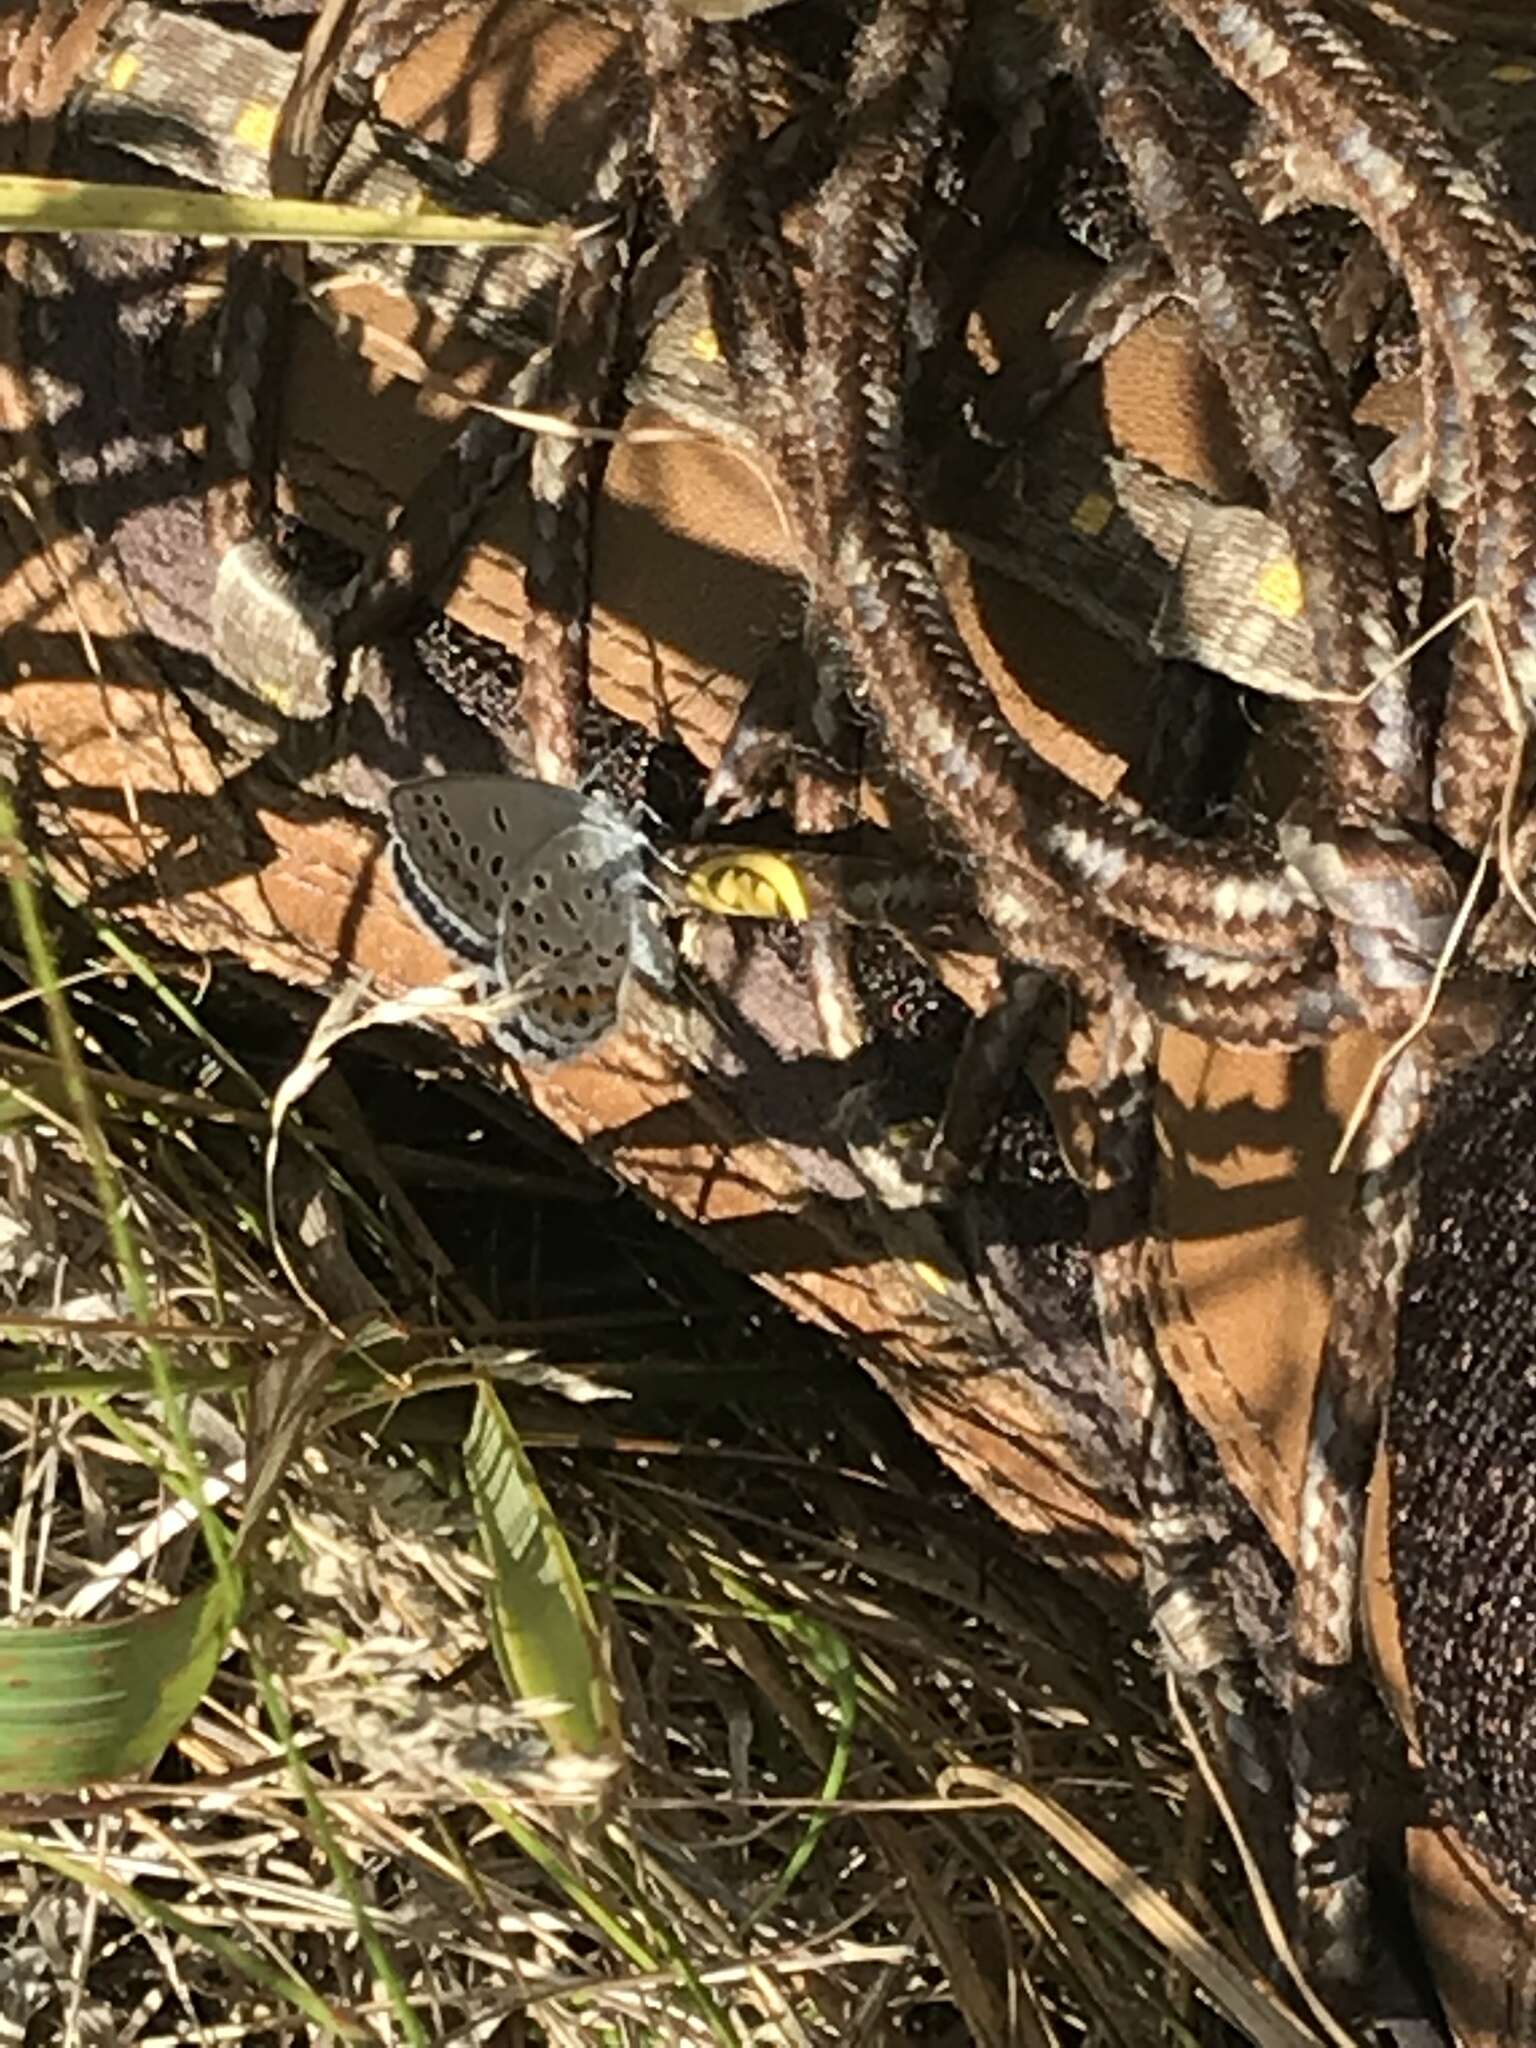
(339, 1021)
(36, 206)
(1259, 2013)
(283, 1401)
(145, 1909)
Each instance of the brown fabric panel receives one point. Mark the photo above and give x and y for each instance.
(526, 88)
(1248, 1206)
(1164, 403)
(1481, 1947)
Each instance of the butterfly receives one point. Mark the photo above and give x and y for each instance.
(543, 889)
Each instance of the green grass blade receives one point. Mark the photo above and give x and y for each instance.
(542, 1628)
(36, 206)
(578, 1896)
(102, 1699)
(826, 1651)
(831, 1659)
(115, 1214)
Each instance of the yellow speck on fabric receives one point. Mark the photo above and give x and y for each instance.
(1279, 587)
(255, 124)
(1093, 513)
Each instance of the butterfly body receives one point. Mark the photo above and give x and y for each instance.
(544, 890)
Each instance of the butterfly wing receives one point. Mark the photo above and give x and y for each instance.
(567, 939)
(544, 889)
(457, 840)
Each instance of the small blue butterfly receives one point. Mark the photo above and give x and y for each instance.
(544, 889)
